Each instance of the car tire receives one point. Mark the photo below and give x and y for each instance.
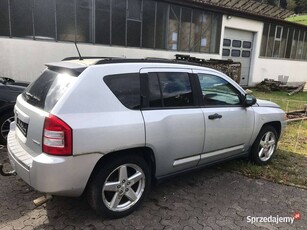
(264, 146)
(119, 187)
(5, 121)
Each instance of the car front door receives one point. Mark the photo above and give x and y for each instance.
(174, 123)
(228, 124)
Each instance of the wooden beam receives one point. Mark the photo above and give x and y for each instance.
(257, 10)
(253, 7)
(233, 3)
(240, 3)
(274, 14)
(267, 9)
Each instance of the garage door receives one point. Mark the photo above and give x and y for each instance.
(237, 45)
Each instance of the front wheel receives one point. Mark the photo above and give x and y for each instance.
(120, 186)
(264, 145)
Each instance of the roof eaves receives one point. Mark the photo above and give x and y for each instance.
(241, 10)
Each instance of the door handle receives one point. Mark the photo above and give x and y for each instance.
(214, 116)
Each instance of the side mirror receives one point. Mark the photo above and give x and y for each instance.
(249, 100)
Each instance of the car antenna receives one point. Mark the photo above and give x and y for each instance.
(80, 58)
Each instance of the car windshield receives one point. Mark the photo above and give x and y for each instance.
(45, 92)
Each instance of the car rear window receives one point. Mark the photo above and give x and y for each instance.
(126, 87)
(45, 92)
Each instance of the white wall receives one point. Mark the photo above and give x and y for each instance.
(23, 59)
(271, 68)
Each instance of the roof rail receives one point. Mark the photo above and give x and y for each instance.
(91, 57)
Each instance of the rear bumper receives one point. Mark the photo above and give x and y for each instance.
(65, 176)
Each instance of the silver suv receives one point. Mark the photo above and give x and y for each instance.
(108, 127)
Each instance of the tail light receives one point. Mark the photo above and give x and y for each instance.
(57, 137)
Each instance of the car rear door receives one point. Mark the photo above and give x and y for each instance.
(174, 123)
(228, 124)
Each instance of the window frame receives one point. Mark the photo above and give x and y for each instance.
(145, 89)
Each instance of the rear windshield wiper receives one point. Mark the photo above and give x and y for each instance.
(32, 96)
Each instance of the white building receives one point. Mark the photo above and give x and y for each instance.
(34, 32)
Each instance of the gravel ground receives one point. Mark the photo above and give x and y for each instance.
(205, 199)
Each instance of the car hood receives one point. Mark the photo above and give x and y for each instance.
(264, 103)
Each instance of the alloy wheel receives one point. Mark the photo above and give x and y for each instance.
(5, 127)
(267, 146)
(123, 187)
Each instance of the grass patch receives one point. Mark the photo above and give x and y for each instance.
(301, 19)
(289, 165)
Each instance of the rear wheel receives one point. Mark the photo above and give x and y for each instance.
(264, 145)
(120, 186)
(5, 122)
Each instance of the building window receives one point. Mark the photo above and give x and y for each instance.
(149, 24)
(161, 25)
(196, 30)
(265, 34)
(247, 45)
(4, 19)
(283, 42)
(235, 53)
(246, 53)
(66, 23)
(205, 35)
(21, 18)
(278, 33)
(119, 22)
(102, 21)
(84, 26)
(226, 52)
(226, 42)
(236, 43)
(271, 39)
(205, 32)
(289, 42)
(216, 33)
(173, 27)
(133, 23)
(300, 45)
(44, 19)
(294, 44)
(185, 29)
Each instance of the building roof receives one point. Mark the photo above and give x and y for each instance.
(253, 7)
(246, 9)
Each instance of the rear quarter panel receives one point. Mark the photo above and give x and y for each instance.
(99, 121)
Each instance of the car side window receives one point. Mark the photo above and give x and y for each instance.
(218, 92)
(170, 89)
(126, 87)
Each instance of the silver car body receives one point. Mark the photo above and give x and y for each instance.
(180, 139)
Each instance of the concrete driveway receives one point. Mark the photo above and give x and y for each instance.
(204, 199)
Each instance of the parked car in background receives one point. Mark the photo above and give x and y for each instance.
(9, 90)
(108, 127)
